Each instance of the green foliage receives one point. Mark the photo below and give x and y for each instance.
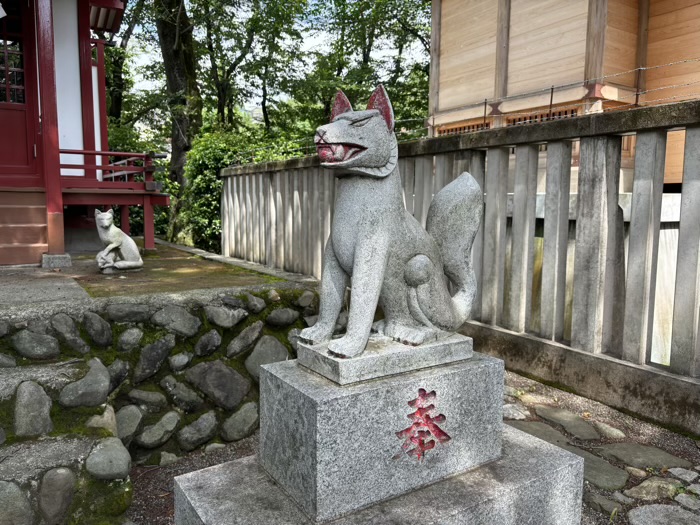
(287, 58)
(200, 215)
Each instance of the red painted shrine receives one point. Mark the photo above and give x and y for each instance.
(55, 160)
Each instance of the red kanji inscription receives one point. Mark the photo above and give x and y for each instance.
(424, 432)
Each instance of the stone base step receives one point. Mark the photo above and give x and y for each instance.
(22, 253)
(533, 482)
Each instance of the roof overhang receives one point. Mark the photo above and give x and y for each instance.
(106, 15)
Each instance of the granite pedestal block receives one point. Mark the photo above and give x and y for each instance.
(336, 449)
(383, 357)
(532, 483)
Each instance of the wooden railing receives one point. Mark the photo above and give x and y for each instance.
(596, 271)
(109, 169)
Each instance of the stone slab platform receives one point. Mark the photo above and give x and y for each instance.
(335, 449)
(532, 483)
(384, 357)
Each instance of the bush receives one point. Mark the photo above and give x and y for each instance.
(199, 221)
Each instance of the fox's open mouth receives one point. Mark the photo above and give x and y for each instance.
(331, 153)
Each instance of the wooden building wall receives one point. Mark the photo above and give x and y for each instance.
(467, 52)
(547, 44)
(621, 39)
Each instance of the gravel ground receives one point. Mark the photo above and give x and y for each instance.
(153, 502)
(153, 486)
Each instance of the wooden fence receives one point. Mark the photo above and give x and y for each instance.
(581, 270)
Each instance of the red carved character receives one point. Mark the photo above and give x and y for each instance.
(424, 432)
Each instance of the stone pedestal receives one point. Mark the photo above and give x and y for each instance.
(384, 357)
(533, 482)
(432, 439)
(336, 449)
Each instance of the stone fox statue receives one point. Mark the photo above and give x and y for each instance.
(121, 251)
(390, 259)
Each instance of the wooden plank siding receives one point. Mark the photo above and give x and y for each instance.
(547, 44)
(467, 52)
(620, 53)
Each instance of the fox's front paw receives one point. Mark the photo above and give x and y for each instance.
(347, 346)
(316, 334)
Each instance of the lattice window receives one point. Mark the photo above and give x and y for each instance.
(545, 116)
(467, 128)
(12, 81)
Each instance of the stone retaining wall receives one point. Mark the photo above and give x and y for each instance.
(91, 389)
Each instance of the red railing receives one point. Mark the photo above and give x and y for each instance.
(118, 170)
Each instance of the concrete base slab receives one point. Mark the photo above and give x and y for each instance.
(335, 449)
(56, 261)
(383, 357)
(532, 483)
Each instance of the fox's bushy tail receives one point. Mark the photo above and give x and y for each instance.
(454, 218)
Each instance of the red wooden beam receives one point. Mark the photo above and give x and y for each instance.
(108, 4)
(102, 95)
(98, 199)
(110, 153)
(85, 50)
(105, 186)
(51, 158)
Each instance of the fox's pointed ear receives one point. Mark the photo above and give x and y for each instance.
(341, 105)
(380, 101)
(111, 212)
(97, 212)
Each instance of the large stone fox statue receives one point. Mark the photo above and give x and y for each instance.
(390, 259)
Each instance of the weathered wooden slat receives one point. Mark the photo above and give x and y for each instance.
(461, 163)
(424, 188)
(239, 225)
(408, 176)
(288, 222)
(477, 169)
(271, 222)
(647, 190)
(262, 213)
(494, 235)
(255, 219)
(556, 230)
(296, 235)
(317, 231)
(259, 221)
(522, 251)
(279, 219)
(685, 342)
(248, 232)
(306, 228)
(329, 182)
(596, 232)
(441, 177)
(225, 217)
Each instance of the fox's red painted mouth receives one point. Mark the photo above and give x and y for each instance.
(330, 153)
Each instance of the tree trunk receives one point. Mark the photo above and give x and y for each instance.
(115, 81)
(177, 48)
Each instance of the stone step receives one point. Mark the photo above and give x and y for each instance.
(532, 482)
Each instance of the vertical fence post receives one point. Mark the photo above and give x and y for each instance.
(289, 251)
(494, 235)
(279, 219)
(270, 222)
(596, 232)
(647, 192)
(225, 218)
(685, 342)
(522, 252)
(556, 234)
(477, 168)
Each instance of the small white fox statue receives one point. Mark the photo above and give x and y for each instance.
(121, 252)
(391, 260)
